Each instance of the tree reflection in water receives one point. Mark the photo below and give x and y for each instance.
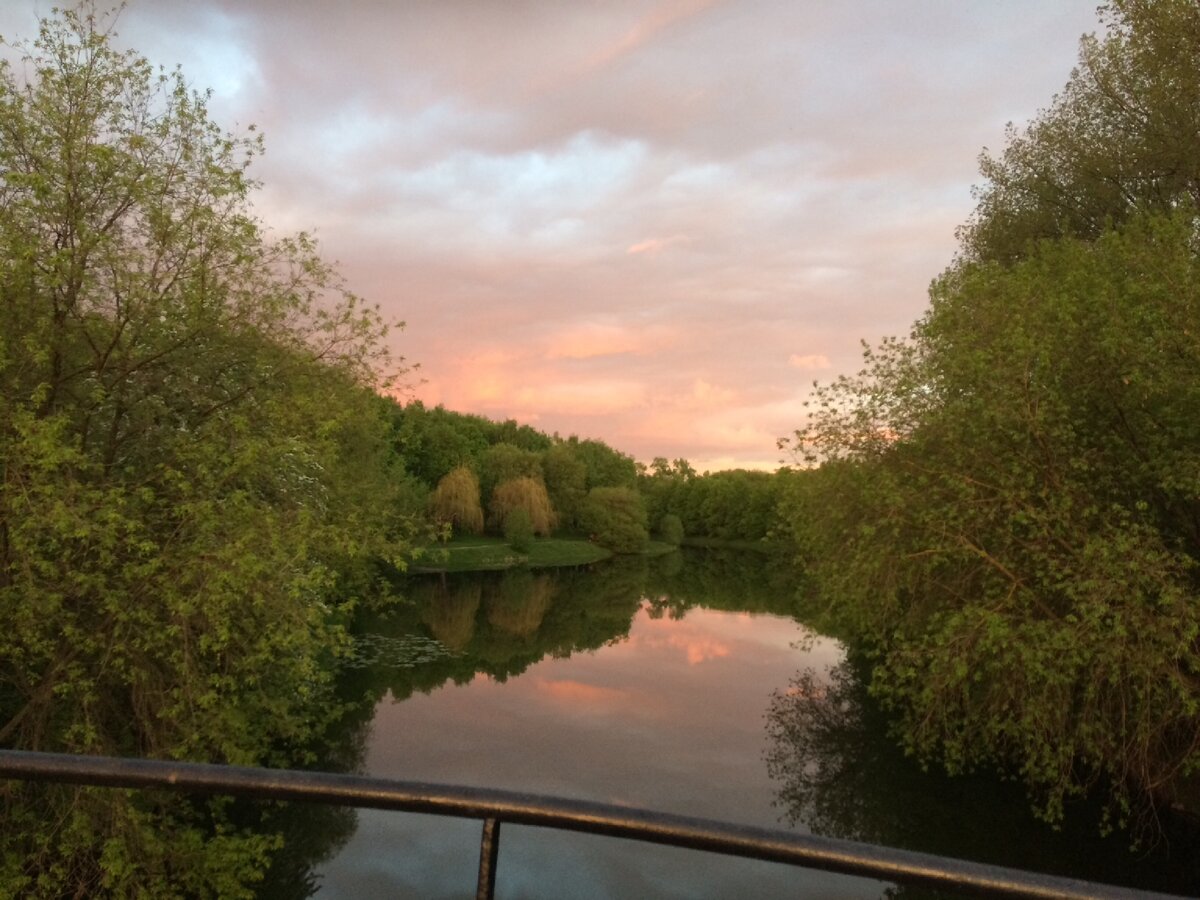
(450, 611)
(520, 603)
(840, 774)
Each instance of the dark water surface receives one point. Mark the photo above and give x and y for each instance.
(672, 685)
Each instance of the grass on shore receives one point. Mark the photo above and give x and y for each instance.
(485, 553)
(480, 554)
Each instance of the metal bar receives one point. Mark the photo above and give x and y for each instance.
(489, 850)
(811, 851)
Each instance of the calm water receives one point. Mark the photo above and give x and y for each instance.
(669, 685)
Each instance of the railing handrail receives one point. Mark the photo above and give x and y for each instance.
(496, 806)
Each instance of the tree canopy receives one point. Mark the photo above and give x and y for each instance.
(193, 457)
(1117, 142)
(1006, 509)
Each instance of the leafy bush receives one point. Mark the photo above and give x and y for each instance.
(616, 519)
(518, 529)
(671, 529)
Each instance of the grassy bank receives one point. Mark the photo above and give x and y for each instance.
(482, 554)
(479, 554)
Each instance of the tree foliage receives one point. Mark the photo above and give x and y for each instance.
(456, 501)
(565, 476)
(1117, 142)
(502, 462)
(670, 528)
(518, 529)
(606, 467)
(524, 493)
(733, 505)
(616, 519)
(1006, 509)
(191, 453)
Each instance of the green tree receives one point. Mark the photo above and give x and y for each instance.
(671, 529)
(565, 476)
(662, 484)
(616, 519)
(501, 463)
(191, 456)
(432, 442)
(606, 467)
(1016, 536)
(523, 436)
(1117, 142)
(1005, 513)
(456, 501)
(527, 494)
(518, 529)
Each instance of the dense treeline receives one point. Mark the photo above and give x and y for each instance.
(457, 462)
(734, 505)
(468, 474)
(194, 463)
(1006, 512)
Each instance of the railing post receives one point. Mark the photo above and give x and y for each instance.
(489, 850)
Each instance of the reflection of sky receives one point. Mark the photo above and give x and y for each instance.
(670, 719)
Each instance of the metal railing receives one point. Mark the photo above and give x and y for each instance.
(494, 806)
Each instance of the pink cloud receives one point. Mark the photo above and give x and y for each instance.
(696, 645)
(655, 245)
(811, 361)
(621, 219)
(591, 340)
(647, 28)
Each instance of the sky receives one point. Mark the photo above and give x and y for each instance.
(652, 222)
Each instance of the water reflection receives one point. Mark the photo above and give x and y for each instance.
(495, 624)
(520, 603)
(450, 611)
(640, 683)
(837, 771)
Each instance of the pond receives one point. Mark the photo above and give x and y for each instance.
(686, 685)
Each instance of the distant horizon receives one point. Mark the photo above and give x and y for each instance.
(650, 223)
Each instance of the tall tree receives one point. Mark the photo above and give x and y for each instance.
(526, 494)
(1118, 141)
(455, 501)
(565, 475)
(1006, 511)
(190, 453)
(501, 463)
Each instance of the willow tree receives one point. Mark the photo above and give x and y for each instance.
(1006, 513)
(527, 494)
(191, 451)
(455, 501)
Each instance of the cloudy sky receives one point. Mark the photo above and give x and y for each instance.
(654, 222)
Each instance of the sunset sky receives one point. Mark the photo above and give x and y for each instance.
(653, 223)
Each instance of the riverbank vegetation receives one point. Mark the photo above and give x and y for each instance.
(1003, 508)
(194, 460)
(489, 553)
